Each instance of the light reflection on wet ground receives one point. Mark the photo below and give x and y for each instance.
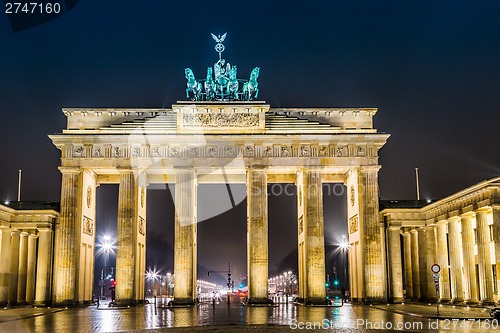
(147, 317)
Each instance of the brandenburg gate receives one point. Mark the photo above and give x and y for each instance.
(215, 142)
(222, 135)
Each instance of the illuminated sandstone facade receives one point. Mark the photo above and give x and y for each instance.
(26, 243)
(461, 233)
(217, 142)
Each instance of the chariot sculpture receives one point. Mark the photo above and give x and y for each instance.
(221, 82)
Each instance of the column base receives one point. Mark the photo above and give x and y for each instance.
(181, 302)
(253, 301)
(471, 302)
(396, 300)
(487, 302)
(457, 300)
(64, 304)
(445, 300)
(374, 300)
(39, 303)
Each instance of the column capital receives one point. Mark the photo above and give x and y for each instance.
(467, 215)
(453, 219)
(15, 232)
(406, 234)
(70, 170)
(24, 234)
(483, 210)
(33, 236)
(312, 169)
(394, 227)
(413, 231)
(442, 223)
(125, 170)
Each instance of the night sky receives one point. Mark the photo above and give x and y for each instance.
(431, 67)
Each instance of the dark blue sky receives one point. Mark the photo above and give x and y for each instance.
(431, 67)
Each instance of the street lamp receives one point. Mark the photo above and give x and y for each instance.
(288, 279)
(105, 248)
(153, 276)
(169, 280)
(344, 246)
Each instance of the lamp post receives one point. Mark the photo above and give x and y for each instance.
(106, 247)
(344, 246)
(288, 278)
(152, 276)
(169, 280)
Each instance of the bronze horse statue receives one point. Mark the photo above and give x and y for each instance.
(192, 85)
(250, 89)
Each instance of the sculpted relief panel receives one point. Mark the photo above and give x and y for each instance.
(88, 226)
(220, 120)
(221, 151)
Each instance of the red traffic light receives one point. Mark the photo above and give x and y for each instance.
(113, 283)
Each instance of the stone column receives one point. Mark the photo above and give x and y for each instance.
(44, 267)
(495, 211)
(430, 239)
(257, 235)
(126, 238)
(415, 265)
(454, 237)
(66, 245)
(4, 265)
(185, 233)
(314, 230)
(408, 265)
(395, 264)
(374, 268)
(484, 256)
(31, 269)
(23, 265)
(14, 267)
(422, 264)
(442, 260)
(471, 292)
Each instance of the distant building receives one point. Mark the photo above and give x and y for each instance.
(460, 233)
(26, 251)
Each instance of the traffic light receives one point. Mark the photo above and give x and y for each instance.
(336, 283)
(327, 284)
(113, 283)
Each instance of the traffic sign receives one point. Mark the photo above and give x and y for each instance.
(435, 268)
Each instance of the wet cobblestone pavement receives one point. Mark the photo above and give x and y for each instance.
(223, 318)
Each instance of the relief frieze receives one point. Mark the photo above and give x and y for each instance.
(220, 120)
(220, 151)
